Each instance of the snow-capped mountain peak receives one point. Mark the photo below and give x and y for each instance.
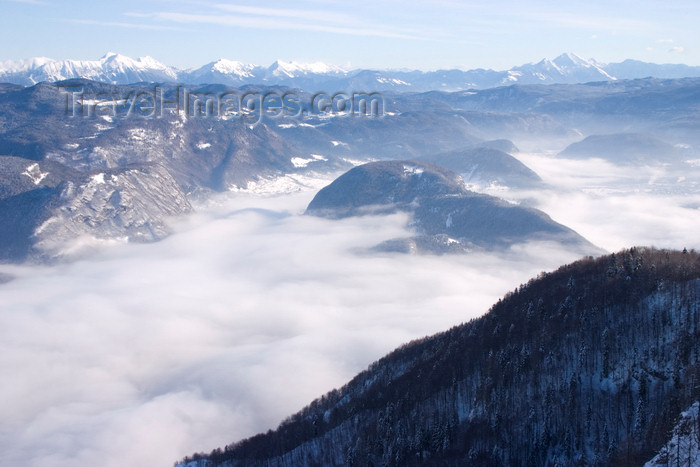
(110, 68)
(569, 59)
(232, 67)
(119, 61)
(566, 68)
(281, 68)
(571, 64)
(17, 66)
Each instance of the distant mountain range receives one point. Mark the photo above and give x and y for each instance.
(626, 149)
(114, 68)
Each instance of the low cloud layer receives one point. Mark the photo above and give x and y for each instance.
(141, 354)
(618, 207)
(144, 353)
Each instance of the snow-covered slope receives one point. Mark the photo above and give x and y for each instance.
(587, 365)
(222, 71)
(281, 68)
(684, 446)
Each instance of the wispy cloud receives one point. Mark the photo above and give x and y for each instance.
(284, 19)
(309, 15)
(126, 25)
(596, 23)
(31, 2)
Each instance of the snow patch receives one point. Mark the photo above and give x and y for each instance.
(396, 81)
(301, 162)
(412, 170)
(139, 134)
(97, 179)
(286, 184)
(35, 174)
(357, 161)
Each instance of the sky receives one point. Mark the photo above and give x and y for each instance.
(394, 34)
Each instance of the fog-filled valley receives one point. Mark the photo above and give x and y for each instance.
(141, 353)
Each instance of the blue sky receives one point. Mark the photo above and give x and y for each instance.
(363, 33)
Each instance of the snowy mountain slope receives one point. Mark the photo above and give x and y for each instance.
(48, 210)
(44, 146)
(684, 446)
(446, 217)
(587, 365)
(119, 69)
(281, 68)
(222, 71)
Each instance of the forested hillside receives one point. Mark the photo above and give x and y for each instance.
(592, 364)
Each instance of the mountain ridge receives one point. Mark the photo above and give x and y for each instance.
(567, 68)
(445, 216)
(591, 364)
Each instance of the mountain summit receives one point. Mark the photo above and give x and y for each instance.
(446, 217)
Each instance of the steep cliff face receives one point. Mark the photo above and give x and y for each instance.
(591, 364)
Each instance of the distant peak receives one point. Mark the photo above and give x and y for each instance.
(569, 58)
(226, 66)
(292, 69)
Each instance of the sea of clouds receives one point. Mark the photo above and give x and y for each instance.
(137, 355)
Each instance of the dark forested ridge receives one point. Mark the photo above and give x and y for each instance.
(444, 215)
(591, 364)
